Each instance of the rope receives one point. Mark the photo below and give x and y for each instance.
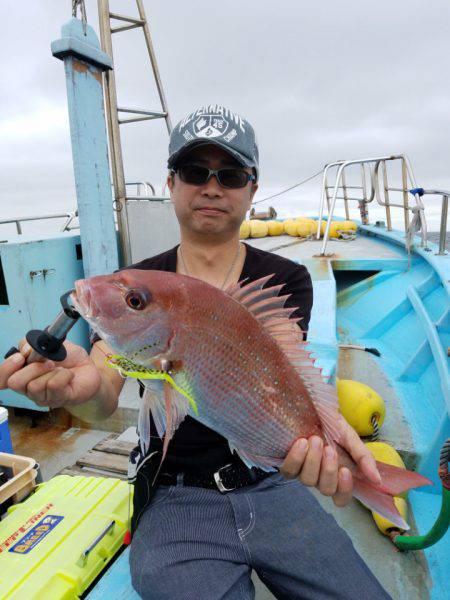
(444, 459)
(374, 351)
(75, 5)
(376, 431)
(289, 188)
(445, 454)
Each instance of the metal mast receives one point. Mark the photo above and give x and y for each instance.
(113, 110)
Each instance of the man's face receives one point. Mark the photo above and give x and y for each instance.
(210, 209)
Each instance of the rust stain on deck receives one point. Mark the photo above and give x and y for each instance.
(53, 446)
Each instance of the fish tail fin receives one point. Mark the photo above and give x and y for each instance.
(379, 502)
(394, 481)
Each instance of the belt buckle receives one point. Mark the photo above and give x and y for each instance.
(218, 479)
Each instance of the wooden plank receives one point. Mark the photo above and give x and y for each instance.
(86, 472)
(113, 446)
(115, 463)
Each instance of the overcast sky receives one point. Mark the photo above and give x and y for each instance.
(319, 82)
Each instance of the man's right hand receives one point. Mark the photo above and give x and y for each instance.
(71, 382)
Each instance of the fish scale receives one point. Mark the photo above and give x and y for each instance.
(232, 359)
(262, 418)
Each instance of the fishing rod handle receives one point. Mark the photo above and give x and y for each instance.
(48, 344)
(32, 357)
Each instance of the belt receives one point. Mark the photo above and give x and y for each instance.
(226, 479)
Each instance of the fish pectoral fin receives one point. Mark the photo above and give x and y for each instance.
(165, 411)
(144, 420)
(265, 463)
(168, 412)
(154, 391)
(177, 407)
(170, 421)
(168, 407)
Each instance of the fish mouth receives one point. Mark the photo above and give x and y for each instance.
(82, 300)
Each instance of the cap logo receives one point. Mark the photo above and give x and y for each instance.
(213, 111)
(222, 127)
(210, 126)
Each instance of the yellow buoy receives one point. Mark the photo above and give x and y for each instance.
(258, 229)
(335, 228)
(312, 226)
(348, 226)
(358, 404)
(300, 226)
(383, 524)
(303, 228)
(275, 227)
(244, 230)
(290, 227)
(387, 454)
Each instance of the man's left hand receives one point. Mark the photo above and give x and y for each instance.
(316, 465)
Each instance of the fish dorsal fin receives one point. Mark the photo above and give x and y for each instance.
(268, 308)
(244, 290)
(256, 299)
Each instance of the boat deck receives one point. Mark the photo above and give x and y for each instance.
(299, 249)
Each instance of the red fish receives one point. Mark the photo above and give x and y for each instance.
(239, 356)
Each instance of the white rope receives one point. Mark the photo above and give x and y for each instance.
(289, 188)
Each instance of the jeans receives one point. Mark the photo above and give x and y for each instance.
(200, 544)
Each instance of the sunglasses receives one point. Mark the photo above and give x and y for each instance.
(231, 178)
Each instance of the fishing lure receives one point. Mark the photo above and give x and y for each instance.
(128, 368)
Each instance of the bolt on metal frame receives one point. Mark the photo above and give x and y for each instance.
(113, 110)
(374, 165)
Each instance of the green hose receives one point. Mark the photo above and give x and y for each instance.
(419, 542)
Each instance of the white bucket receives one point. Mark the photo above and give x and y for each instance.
(5, 437)
(3, 414)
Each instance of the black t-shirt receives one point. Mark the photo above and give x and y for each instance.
(195, 447)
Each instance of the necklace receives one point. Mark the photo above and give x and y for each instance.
(233, 264)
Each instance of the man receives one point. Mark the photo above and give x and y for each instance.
(210, 520)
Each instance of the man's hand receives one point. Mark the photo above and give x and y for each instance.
(71, 382)
(316, 465)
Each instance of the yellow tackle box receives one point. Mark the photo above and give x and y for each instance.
(53, 545)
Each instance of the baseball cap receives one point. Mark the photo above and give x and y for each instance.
(217, 125)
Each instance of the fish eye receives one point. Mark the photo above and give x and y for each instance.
(136, 300)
